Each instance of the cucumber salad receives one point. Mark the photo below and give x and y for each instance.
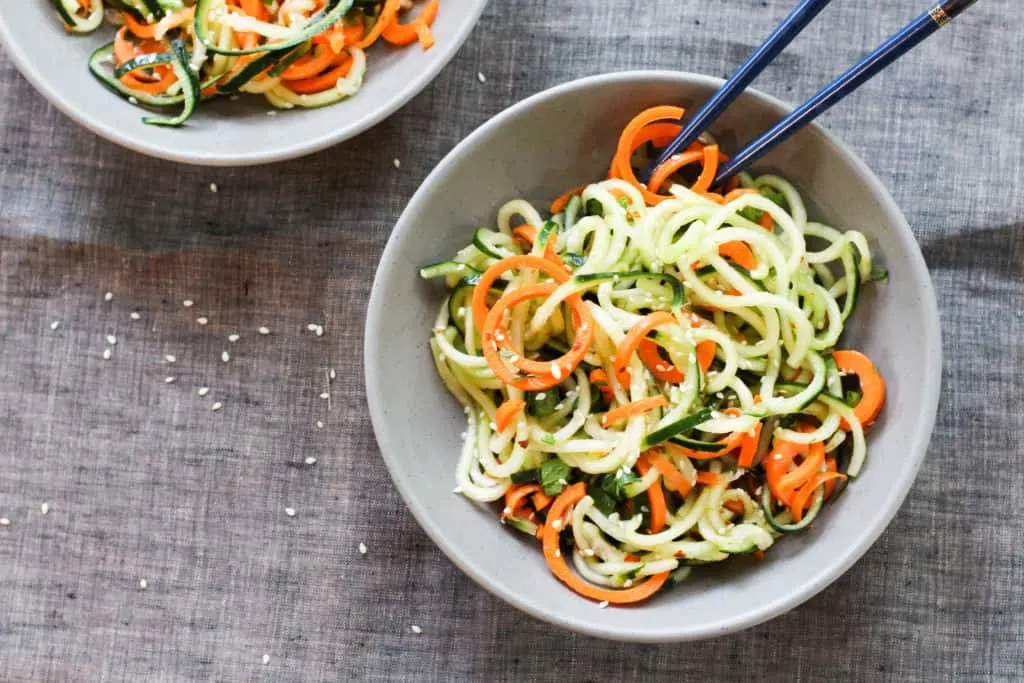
(294, 53)
(653, 375)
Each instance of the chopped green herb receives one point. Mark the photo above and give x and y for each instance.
(526, 476)
(554, 476)
(776, 196)
(752, 214)
(602, 501)
(623, 202)
(879, 274)
(542, 403)
(615, 483)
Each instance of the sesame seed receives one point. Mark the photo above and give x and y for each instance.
(558, 552)
(133, 100)
(628, 583)
(134, 315)
(397, 162)
(588, 552)
(55, 324)
(311, 460)
(602, 604)
(233, 338)
(107, 353)
(319, 330)
(319, 424)
(203, 391)
(271, 113)
(556, 524)
(325, 395)
(362, 548)
(143, 584)
(170, 358)
(416, 629)
(541, 396)
(312, 327)
(480, 77)
(263, 330)
(332, 374)
(169, 380)
(202, 320)
(109, 296)
(556, 371)
(213, 187)
(266, 659)
(4, 521)
(290, 512)
(225, 356)
(111, 339)
(217, 406)
(44, 508)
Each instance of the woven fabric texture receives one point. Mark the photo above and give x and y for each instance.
(143, 480)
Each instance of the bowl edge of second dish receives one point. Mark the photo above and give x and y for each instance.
(96, 126)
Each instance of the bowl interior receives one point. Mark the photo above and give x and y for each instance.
(221, 132)
(536, 150)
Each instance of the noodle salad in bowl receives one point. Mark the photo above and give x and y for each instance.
(295, 53)
(653, 375)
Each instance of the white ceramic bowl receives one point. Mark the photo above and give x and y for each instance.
(536, 149)
(222, 133)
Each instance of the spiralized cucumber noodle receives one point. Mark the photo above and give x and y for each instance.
(642, 402)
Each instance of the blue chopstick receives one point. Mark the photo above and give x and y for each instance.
(894, 48)
(774, 44)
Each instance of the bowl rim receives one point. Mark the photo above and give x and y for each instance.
(248, 158)
(920, 439)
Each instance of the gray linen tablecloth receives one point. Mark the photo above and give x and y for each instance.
(142, 481)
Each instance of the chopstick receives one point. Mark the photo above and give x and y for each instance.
(898, 45)
(764, 55)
